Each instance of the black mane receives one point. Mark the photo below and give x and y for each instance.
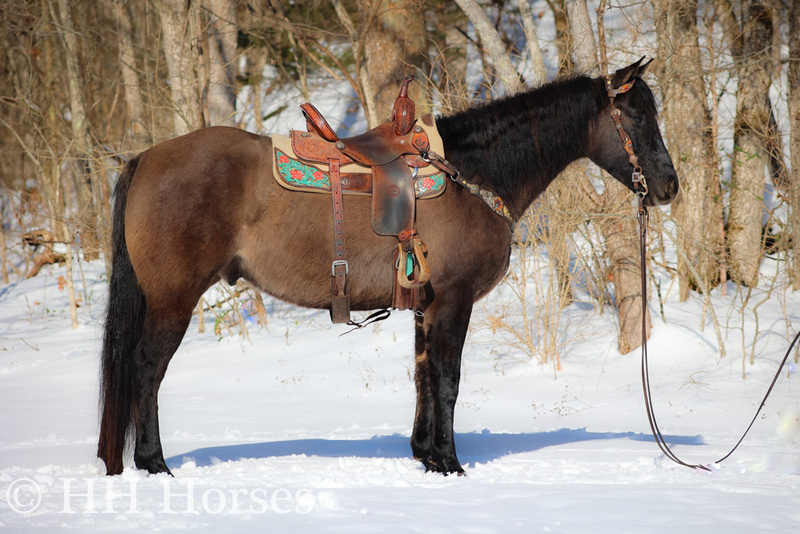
(503, 143)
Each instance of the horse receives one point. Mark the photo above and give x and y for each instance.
(204, 207)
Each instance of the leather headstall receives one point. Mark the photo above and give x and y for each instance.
(639, 183)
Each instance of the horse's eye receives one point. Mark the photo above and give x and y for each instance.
(638, 119)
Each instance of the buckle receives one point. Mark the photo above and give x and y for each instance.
(337, 263)
(639, 184)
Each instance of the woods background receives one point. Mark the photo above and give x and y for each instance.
(86, 84)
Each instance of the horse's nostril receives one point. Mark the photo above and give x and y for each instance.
(672, 187)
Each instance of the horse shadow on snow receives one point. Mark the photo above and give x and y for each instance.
(473, 447)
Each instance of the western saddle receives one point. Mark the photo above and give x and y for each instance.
(393, 152)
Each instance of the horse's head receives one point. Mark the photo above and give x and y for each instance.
(627, 92)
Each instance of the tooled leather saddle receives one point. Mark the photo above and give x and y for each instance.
(394, 163)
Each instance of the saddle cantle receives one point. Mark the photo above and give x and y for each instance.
(389, 163)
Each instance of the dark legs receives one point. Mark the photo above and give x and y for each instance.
(439, 340)
(161, 340)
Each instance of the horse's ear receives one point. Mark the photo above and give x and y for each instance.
(627, 74)
(643, 66)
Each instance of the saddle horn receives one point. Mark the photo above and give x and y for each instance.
(404, 111)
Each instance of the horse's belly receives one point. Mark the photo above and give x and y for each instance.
(288, 253)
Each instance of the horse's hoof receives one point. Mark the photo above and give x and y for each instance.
(444, 467)
(153, 467)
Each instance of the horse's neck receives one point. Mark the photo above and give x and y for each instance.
(518, 145)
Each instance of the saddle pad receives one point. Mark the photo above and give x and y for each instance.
(298, 175)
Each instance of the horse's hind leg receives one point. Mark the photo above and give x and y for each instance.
(163, 332)
(440, 339)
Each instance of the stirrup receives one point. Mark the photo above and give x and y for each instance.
(419, 269)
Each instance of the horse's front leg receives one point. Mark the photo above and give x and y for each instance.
(440, 338)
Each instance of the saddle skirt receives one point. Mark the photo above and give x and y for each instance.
(296, 173)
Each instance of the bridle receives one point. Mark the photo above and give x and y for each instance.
(639, 183)
(640, 190)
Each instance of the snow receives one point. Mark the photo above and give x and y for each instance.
(297, 429)
(294, 429)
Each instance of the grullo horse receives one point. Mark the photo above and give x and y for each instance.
(204, 206)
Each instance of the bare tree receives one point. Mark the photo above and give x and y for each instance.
(221, 62)
(583, 42)
(87, 182)
(179, 20)
(539, 74)
(362, 75)
(395, 42)
(495, 49)
(563, 37)
(141, 136)
(751, 130)
(449, 44)
(617, 224)
(688, 134)
(794, 135)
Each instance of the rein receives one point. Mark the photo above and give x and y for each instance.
(640, 190)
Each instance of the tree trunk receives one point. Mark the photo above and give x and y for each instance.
(622, 251)
(617, 224)
(750, 156)
(495, 49)
(580, 27)
(3, 258)
(366, 95)
(141, 137)
(73, 301)
(87, 185)
(179, 39)
(538, 71)
(688, 135)
(394, 39)
(222, 62)
(794, 135)
(563, 39)
(256, 60)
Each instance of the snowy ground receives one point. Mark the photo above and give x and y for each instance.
(300, 430)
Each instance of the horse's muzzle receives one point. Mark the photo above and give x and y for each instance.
(662, 191)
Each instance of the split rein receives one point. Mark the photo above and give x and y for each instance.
(640, 190)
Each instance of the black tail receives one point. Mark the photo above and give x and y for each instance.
(122, 336)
